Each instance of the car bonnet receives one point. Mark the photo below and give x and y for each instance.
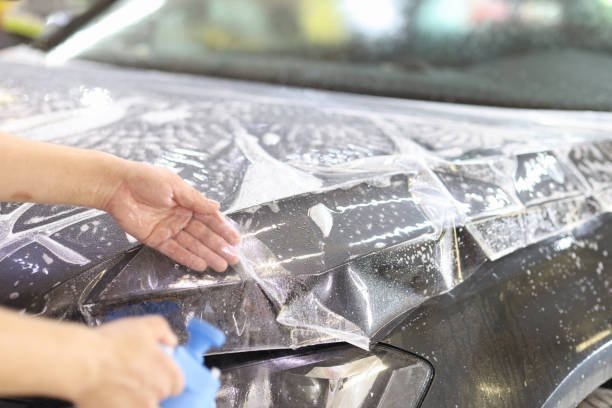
(354, 209)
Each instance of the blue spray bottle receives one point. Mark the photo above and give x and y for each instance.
(201, 385)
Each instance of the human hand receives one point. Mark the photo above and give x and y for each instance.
(132, 370)
(161, 210)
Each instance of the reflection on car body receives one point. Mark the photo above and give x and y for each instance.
(385, 240)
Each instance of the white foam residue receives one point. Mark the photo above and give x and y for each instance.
(165, 116)
(5, 97)
(11, 242)
(274, 206)
(55, 125)
(268, 179)
(48, 260)
(322, 217)
(95, 97)
(265, 182)
(270, 139)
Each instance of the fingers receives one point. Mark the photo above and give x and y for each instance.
(206, 241)
(168, 227)
(197, 253)
(171, 382)
(175, 378)
(207, 210)
(213, 241)
(192, 199)
(164, 377)
(219, 225)
(134, 369)
(202, 249)
(180, 254)
(161, 330)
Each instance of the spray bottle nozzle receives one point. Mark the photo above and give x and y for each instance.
(201, 384)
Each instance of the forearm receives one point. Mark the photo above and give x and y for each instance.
(48, 173)
(40, 357)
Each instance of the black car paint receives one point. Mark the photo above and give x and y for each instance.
(507, 339)
(496, 340)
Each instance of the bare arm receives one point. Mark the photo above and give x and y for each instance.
(150, 203)
(53, 174)
(31, 349)
(120, 364)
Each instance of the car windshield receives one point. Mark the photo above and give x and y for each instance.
(525, 53)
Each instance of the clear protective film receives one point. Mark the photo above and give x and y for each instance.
(354, 210)
(336, 265)
(339, 377)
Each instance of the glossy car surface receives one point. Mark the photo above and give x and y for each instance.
(396, 253)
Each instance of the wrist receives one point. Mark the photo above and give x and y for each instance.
(52, 359)
(109, 174)
(84, 364)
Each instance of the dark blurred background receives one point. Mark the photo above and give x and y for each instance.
(23, 20)
(526, 53)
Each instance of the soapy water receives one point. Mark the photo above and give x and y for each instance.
(351, 216)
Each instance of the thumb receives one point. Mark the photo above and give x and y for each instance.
(192, 199)
(161, 330)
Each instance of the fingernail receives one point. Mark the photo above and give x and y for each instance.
(201, 266)
(223, 269)
(233, 251)
(172, 340)
(233, 224)
(215, 202)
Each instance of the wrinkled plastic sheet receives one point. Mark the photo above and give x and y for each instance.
(340, 377)
(316, 267)
(354, 210)
(344, 263)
